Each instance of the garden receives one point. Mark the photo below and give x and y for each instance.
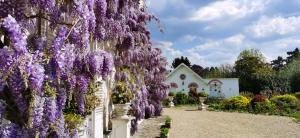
(283, 105)
(247, 102)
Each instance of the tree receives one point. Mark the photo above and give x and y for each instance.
(291, 74)
(252, 53)
(248, 63)
(278, 63)
(178, 61)
(198, 69)
(227, 71)
(292, 55)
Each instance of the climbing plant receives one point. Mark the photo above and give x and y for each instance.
(48, 62)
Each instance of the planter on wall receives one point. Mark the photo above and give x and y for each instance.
(121, 110)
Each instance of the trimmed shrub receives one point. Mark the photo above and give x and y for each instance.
(215, 106)
(236, 103)
(213, 100)
(286, 103)
(192, 100)
(180, 98)
(259, 98)
(264, 107)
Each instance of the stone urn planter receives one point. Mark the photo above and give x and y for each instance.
(121, 110)
(171, 98)
(201, 104)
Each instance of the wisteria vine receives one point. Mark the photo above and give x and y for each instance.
(49, 62)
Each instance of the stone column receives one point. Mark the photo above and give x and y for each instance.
(121, 127)
(97, 114)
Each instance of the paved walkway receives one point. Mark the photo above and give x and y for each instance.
(150, 128)
(190, 123)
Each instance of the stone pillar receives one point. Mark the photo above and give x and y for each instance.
(121, 127)
(97, 114)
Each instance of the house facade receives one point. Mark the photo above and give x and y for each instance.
(184, 79)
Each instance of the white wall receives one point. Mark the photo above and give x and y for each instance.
(229, 87)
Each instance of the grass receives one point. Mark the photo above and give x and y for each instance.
(296, 115)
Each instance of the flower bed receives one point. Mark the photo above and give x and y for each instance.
(287, 105)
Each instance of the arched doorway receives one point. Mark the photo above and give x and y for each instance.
(193, 86)
(215, 88)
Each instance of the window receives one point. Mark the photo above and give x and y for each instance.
(182, 76)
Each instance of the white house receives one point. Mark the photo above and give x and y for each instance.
(183, 79)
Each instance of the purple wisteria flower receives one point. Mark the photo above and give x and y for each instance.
(95, 62)
(17, 86)
(36, 76)
(2, 110)
(82, 84)
(18, 39)
(38, 111)
(107, 64)
(50, 108)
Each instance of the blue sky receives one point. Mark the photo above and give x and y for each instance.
(214, 32)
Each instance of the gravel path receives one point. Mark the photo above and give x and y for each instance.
(190, 123)
(150, 128)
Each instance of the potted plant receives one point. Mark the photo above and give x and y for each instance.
(168, 122)
(202, 97)
(171, 98)
(164, 132)
(121, 98)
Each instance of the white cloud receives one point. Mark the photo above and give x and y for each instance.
(279, 47)
(236, 39)
(160, 5)
(228, 9)
(267, 26)
(167, 50)
(216, 52)
(187, 38)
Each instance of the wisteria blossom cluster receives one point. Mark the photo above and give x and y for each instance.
(48, 61)
(146, 78)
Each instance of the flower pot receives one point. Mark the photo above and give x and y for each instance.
(121, 110)
(168, 125)
(202, 99)
(163, 136)
(171, 104)
(201, 104)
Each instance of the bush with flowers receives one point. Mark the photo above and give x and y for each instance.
(236, 103)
